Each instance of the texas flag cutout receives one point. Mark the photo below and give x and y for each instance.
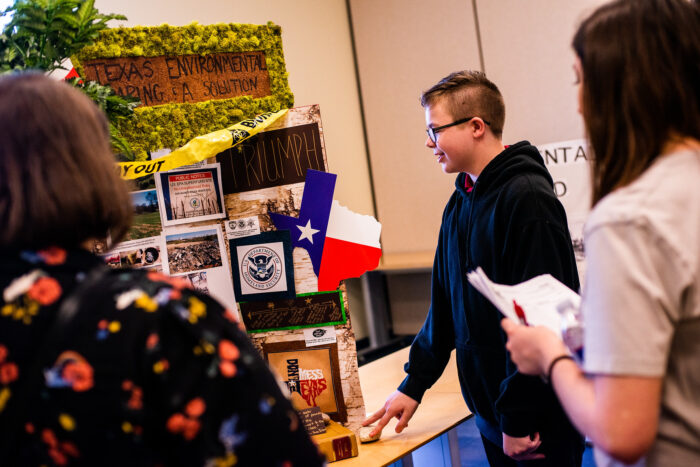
(341, 243)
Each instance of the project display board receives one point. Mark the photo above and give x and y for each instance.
(242, 212)
(258, 229)
(306, 336)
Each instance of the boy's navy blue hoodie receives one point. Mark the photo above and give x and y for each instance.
(512, 225)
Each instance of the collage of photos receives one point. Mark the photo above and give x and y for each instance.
(158, 241)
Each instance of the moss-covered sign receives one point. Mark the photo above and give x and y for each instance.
(191, 80)
(184, 78)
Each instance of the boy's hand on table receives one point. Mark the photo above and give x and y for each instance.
(397, 405)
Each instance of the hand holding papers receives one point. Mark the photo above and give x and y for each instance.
(539, 299)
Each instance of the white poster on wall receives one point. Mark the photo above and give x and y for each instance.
(569, 164)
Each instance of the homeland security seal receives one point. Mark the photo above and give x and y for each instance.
(261, 268)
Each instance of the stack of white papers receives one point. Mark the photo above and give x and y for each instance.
(540, 298)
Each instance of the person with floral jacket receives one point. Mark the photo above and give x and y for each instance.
(141, 370)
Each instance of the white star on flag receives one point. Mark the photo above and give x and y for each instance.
(307, 232)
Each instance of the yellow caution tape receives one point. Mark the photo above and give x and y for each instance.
(201, 147)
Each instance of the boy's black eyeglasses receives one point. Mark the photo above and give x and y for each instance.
(432, 132)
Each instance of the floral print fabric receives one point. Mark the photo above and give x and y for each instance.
(149, 372)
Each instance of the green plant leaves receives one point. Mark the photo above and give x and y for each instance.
(43, 33)
(115, 106)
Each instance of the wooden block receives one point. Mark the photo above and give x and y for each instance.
(337, 442)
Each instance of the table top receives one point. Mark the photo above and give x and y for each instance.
(442, 409)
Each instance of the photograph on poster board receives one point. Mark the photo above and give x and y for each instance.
(197, 254)
(306, 310)
(191, 195)
(146, 222)
(144, 253)
(312, 375)
(193, 251)
(263, 266)
(198, 280)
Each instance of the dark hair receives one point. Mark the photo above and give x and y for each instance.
(641, 84)
(58, 183)
(470, 92)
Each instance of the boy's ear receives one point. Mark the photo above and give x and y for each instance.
(478, 127)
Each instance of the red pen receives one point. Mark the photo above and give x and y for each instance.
(521, 314)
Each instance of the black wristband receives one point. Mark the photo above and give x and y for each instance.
(548, 376)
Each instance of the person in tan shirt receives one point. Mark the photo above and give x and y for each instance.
(638, 395)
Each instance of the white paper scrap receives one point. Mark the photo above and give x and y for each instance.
(319, 336)
(243, 227)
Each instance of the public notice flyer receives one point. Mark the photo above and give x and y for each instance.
(190, 195)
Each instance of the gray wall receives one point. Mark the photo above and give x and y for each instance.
(405, 46)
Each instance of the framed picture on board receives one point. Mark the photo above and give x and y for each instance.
(312, 375)
(263, 266)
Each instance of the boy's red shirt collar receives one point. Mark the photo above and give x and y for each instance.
(468, 183)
